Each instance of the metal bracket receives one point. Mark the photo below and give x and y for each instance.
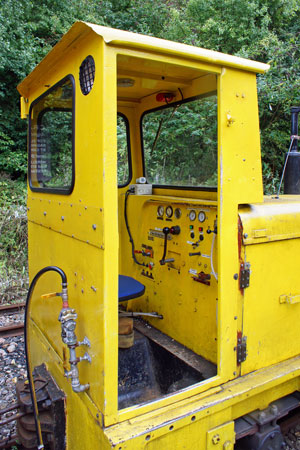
(245, 275)
(241, 348)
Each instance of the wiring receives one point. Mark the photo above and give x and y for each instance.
(27, 346)
(128, 229)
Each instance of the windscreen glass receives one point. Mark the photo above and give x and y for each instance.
(180, 144)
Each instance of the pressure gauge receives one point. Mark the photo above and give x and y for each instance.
(160, 211)
(192, 215)
(177, 213)
(201, 216)
(169, 211)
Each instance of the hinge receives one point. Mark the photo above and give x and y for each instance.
(241, 348)
(244, 275)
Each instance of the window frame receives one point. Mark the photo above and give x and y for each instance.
(169, 105)
(51, 190)
(129, 179)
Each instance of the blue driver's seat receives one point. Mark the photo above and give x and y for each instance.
(129, 288)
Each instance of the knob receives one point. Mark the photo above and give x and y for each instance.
(175, 229)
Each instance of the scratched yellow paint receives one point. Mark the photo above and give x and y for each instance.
(91, 245)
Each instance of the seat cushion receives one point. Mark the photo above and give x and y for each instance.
(129, 288)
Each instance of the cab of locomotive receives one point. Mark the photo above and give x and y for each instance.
(139, 155)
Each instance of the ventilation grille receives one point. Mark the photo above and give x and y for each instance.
(87, 75)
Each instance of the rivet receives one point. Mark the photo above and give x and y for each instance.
(235, 317)
(243, 95)
(235, 276)
(85, 207)
(82, 291)
(216, 439)
(237, 95)
(94, 226)
(245, 235)
(234, 374)
(93, 288)
(45, 213)
(62, 218)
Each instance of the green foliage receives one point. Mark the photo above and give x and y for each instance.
(263, 30)
(180, 144)
(13, 239)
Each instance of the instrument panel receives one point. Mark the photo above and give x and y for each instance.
(182, 237)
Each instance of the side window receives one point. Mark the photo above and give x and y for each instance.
(124, 163)
(51, 157)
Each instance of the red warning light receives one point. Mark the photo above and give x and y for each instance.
(165, 97)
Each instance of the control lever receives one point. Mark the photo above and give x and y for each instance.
(166, 230)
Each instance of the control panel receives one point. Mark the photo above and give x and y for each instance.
(175, 248)
(181, 237)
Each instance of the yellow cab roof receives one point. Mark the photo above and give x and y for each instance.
(136, 41)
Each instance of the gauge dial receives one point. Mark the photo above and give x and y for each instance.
(192, 215)
(169, 211)
(160, 211)
(201, 216)
(177, 213)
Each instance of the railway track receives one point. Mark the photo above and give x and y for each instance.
(16, 329)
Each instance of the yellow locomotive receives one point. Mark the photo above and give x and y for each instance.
(145, 195)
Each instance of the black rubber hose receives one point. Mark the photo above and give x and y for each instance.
(26, 343)
(128, 229)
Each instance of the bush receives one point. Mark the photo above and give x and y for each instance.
(13, 240)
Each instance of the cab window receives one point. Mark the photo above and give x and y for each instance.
(51, 158)
(180, 144)
(124, 166)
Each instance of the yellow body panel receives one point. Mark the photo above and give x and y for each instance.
(84, 233)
